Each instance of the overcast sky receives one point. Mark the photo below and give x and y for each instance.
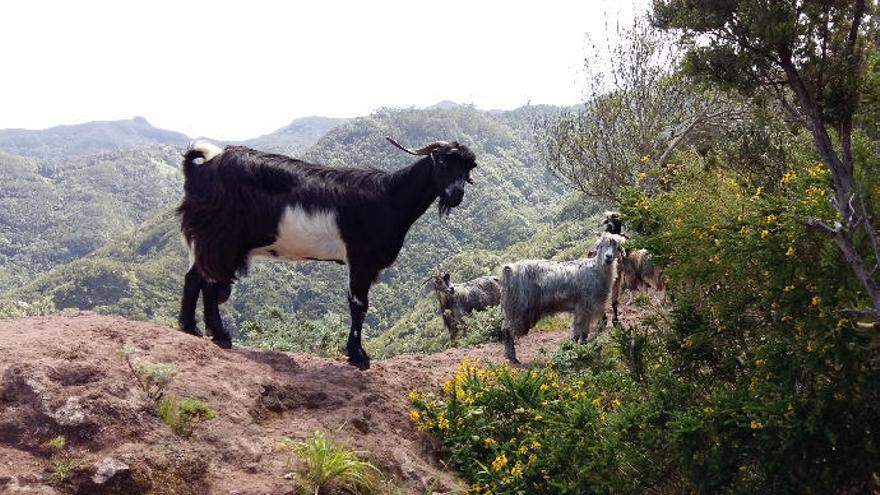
(233, 70)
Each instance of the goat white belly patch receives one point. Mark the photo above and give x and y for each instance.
(306, 236)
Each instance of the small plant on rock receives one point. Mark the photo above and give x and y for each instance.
(153, 378)
(63, 464)
(182, 416)
(330, 466)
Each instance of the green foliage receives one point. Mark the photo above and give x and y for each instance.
(482, 326)
(329, 466)
(63, 464)
(56, 444)
(183, 415)
(272, 330)
(153, 378)
(781, 386)
(64, 467)
(746, 44)
(508, 431)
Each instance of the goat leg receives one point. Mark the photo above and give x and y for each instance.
(509, 349)
(210, 300)
(359, 288)
(192, 285)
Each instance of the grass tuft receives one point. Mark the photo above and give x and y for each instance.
(330, 466)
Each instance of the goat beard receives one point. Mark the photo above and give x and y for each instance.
(443, 209)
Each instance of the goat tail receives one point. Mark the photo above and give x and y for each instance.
(198, 150)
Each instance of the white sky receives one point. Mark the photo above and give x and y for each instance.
(234, 70)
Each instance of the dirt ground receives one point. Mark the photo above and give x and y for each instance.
(65, 375)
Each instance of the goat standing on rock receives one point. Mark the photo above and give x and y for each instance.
(240, 202)
(456, 301)
(532, 289)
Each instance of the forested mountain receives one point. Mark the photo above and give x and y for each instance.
(296, 137)
(66, 140)
(55, 211)
(138, 273)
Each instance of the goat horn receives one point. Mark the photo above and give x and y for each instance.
(427, 150)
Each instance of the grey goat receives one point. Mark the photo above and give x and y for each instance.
(531, 289)
(456, 301)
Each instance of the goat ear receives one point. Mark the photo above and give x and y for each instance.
(446, 277)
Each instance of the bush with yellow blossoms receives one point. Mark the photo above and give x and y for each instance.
(780, 386)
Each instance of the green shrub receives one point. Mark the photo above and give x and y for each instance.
(153, 378)
(182, 416)
(330, 466)
(482, 326)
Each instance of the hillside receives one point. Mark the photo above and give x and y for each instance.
(64, 375)
(55, 211)
(513, 196)
(92, 137)
(296, 137)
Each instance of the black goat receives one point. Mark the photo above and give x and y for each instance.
(241, 202)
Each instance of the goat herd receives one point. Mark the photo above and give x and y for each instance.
(239, 203)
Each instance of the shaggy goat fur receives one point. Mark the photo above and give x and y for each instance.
(532, 289)
(636, 270)
(459, 300)
(239, 202)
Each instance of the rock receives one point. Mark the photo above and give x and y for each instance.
(70, 414)
(108, 468)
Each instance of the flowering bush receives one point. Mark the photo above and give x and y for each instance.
(757, 381)
(525, 432)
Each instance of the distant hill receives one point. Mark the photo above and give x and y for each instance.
(92, 137)
(296, 137)
(512, 198)
(55, 211)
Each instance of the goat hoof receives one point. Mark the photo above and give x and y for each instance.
(192, 331)
(360, 360)
(222, 343)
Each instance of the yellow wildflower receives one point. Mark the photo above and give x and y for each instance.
(788, 177)
(442, 422)
(788, 288)
(756, 425)
(717, 242)
(764, 233)
(538, 417)
(516, 471)
(524, 449)
(644, 158)
(816, 301)
(597, 402)
(615, 403)
(536, 445)
(708, 410)
(415, 417)
(745, 230)
(642, 176)
(489, 442)
(771, 218)
(499, 463)
(447, 386)
(790, 251)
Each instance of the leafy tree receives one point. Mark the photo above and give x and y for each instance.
(812, 54)
(638, 109)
